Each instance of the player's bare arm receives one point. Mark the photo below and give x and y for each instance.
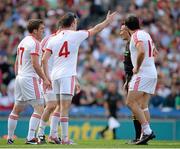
(37, 68)
(16, 66)
(44, 61)
(99, 27)
(140, 56)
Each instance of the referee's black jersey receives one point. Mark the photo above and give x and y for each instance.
(128, 67)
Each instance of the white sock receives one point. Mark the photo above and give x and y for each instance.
(12, 123)
(33, 125)
(42, 127)
(64, 127)
(146, 128)
(54, 125)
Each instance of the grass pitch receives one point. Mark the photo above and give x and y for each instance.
(19, 143)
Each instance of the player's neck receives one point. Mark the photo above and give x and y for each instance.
(35, 36)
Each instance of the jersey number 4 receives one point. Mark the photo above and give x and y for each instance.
(64, 50)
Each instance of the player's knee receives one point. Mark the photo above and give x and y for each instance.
(17, 110)
(50, 108)
(39, 109)
(129, 102)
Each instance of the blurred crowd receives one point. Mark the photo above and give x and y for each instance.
(100, 57)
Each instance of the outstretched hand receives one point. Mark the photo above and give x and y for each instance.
(110, 16)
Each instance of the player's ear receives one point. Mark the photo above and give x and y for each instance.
(35, 31)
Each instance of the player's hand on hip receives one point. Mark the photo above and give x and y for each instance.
(78, 88)
(135, 70)
(125, 86)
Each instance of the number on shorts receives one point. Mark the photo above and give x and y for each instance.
(64, 50)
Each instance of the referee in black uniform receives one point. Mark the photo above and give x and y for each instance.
(128, 67)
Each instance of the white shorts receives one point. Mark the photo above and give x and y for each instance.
(32, 102)
(144, 84)
(64, 85)
(50, 96)
(27, 88)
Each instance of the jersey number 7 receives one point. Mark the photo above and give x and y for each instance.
(64, 50)
(21, 51)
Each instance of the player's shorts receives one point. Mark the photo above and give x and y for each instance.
(64, 85)
(32, 102)
(50, 96)
(144, 84)
(27, 88)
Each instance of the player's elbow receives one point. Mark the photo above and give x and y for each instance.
(43, 61)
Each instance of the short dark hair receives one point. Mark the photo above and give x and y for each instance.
(67, 20)
(132, 22)
(34, 24)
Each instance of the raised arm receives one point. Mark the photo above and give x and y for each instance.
(99, 27)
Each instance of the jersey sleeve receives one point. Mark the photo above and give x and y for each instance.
(138, 37)
(44, 43)
(49, 47)
(35, 48)
(81, 35)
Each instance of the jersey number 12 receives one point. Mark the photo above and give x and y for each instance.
(64, 50)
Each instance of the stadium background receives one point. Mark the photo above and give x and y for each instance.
(100, 61)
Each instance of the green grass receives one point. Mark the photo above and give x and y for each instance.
(19, 143)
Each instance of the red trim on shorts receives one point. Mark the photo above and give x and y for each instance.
(36, 116)
(57, 114)
(36, 89)
(136, 84)
(72, 84)
(14, 117)
(34, 54)
(64, 119)
(49, 50)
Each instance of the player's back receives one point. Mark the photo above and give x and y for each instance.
(27, 47)
(64, 47)
(44, 44)
(148, 65)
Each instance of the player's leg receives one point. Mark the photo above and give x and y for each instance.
(67, 87)
(38, 106)
(51, 103)
(18, 107)
(12, 121)
(137, 127)
(54, 123)
(31, 91)
(146, 86)
(145, 108)
(53, 135)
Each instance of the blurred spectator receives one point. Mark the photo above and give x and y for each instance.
(113, 101)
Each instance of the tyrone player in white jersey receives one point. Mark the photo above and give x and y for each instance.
(27, 87)
(64, 49)
(144, 79)
(52, 105)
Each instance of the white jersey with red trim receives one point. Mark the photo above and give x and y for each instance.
(64, 47)
(27, 47)
(44, 43)
(147, 68)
